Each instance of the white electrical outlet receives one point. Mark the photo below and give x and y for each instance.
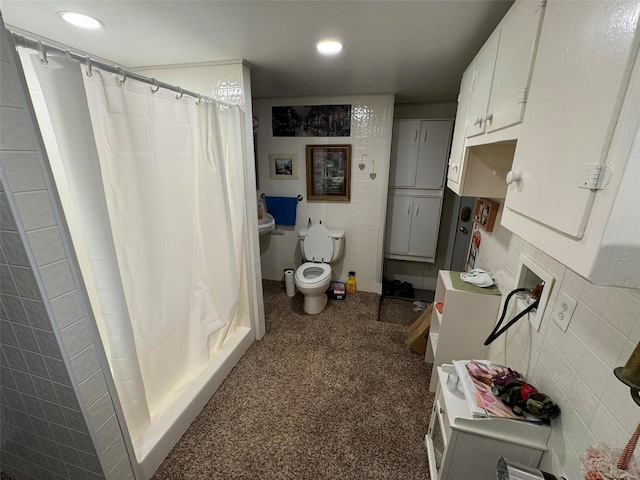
(563, 309)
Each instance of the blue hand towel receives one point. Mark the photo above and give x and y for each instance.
(283, 209)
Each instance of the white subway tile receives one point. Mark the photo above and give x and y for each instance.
(606, 429)
(46, 245)
(23, 171)
(622, 310)
(584, 400)
(607, 342)
(85, 363)
(573, 282)
(16, 133)
(594, 296)
(617, 399)
(101, 411)
(67, 309)
(35, 210)
(627, 350)
(76, 337)
(13, 249)
(112, 455)
(93, 388)
(568, 343)
(594, 372)
(57, 278)
(26, 282)
(584, 322)
(107, 433)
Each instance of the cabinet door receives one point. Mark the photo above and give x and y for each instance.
(485, 63)
(459, 132)
(404, 153)
(398, 226)
(582, 69)
(424, 226)
(435, 136)
(519, 32)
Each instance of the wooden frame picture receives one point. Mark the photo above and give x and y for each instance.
(329, 172)
(283, 166)
(484, 213)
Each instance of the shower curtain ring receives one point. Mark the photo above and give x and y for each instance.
(199, 99)
(124, 76)
(43, 54)
(68, 52)
(89, 67)
(155, 84)
(180, 93)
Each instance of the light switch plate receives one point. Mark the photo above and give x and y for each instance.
(563, 309)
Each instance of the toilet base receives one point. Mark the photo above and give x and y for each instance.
(314, 304)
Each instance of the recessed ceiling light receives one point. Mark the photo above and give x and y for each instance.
(81, 20)
(329, 47)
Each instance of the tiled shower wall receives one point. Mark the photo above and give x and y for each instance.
(574, 368)
(58, 418)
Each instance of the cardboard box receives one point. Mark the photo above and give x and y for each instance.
(418, 331)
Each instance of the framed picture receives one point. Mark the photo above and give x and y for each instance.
(311, 121)
(283, 166)
(328, 172)
(484, 213)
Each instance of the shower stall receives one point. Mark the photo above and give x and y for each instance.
(156, 193)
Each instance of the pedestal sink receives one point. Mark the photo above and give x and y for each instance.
(266, 224)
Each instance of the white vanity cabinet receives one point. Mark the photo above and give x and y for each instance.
(419, 152)
(461, 446)
(502, 72)
(582, 118)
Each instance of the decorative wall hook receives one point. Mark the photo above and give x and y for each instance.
(373, 170)
(361, 165)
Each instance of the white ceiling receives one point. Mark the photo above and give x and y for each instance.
(415, 49)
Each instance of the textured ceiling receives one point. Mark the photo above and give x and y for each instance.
(415, 49)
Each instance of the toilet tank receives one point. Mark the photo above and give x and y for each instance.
(337, 236)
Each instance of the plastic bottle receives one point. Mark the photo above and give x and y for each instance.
(260, 212)
(351, 283)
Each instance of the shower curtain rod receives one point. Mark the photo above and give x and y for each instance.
(46, 49)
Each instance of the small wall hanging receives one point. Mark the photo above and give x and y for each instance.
(484, 213)
(283, 166)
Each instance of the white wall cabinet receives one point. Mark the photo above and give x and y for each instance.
(582, 116)
(419, 151)
(454, 172)
(460, 446)
(419, 154)
(502, 72)
(458, 332)
(412, 227)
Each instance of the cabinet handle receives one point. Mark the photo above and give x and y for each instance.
(477, 121)
(425, 137)
(488, 117)
(415, 135)
(409, 209)
(441, 411)
(513, 177)
(417, 209)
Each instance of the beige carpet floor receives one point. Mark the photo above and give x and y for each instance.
(337, 395)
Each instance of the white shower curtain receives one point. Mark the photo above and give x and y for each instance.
(156, 186)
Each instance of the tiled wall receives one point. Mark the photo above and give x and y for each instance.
(362, 218)
(574, 368)
(58, 418)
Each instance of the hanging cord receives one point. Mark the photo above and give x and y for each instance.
(497, 331)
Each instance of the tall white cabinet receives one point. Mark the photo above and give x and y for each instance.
(419, 153)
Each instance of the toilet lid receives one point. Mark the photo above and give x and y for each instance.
(318, 245)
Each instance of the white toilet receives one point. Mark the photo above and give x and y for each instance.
(320, 246)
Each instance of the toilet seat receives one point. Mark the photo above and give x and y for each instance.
(311, 273)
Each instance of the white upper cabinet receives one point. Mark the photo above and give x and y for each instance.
(419, 152)
(582, 117)
(502, 73)
(457, 145)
